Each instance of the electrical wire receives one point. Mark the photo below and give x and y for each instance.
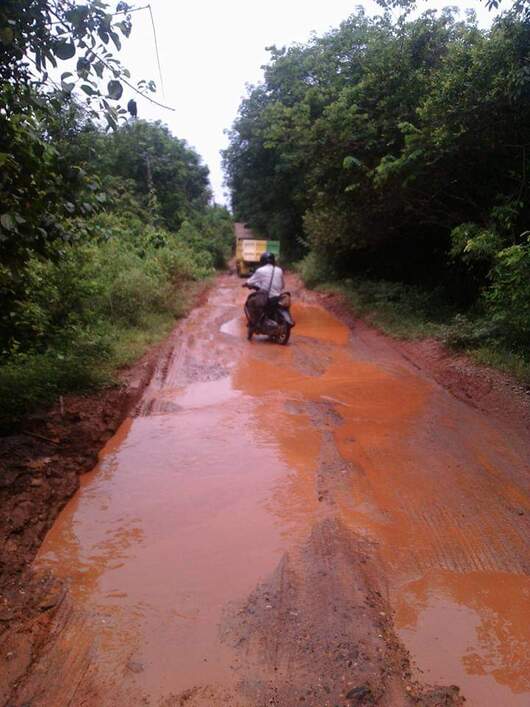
(156, 49)
(130, 85)
(122, 79)
(112, 14)
(126, 12)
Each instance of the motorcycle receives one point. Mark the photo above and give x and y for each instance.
(270, 317)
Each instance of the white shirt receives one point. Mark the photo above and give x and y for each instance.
(262, 279)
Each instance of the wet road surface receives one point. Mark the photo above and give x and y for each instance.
(243, 535)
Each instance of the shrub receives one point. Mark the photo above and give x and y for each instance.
(465, 333)
(77, 310)
(508, 298)
(314, 269)
(55, 295)
(35, 378)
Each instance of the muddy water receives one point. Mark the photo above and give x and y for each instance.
(237, 452)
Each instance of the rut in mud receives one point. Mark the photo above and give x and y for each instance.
(282, 526)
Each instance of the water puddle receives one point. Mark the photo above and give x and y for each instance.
(471, 630)
(174, 523)
(194, 503)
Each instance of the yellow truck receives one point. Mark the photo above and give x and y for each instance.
(249, 249)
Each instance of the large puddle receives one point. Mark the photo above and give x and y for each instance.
(194, 504)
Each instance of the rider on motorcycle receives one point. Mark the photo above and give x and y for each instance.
(268, 309)
(268, 279)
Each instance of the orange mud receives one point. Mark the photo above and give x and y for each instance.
(236, 539)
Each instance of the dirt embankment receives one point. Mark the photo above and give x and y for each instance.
(40, 466)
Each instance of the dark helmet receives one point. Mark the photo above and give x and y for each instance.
(267, 259)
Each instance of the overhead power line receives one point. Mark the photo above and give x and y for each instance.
(127, 83)
(130, 85)
(156, 49)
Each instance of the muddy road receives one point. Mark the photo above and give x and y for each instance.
(317, 524)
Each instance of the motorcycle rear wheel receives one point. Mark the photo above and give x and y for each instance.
(283, 336)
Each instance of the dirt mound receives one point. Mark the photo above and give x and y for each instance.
(325, 605)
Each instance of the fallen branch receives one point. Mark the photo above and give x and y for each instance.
(41, 437)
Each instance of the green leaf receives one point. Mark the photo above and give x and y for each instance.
(115, 38)
(7, 222)
(124, 26)
(83, 66)
(88, 89)
(6, 35)
(77, 16)
(115, 90)
(67, 87)
(111, 122)
(48, 55)
(64, 50)
(349, 162)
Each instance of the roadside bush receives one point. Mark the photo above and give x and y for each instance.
(56, 296)
(508, 298)
(132, 294)
(314, 269)
(210, 232)
(181, 262)
(401, 310)
(410, 312)
(36, 378)
(77, 310)
(464, 332)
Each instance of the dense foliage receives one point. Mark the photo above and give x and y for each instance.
(36, 37)
(105, 221)
(96, 304)
(399, 151)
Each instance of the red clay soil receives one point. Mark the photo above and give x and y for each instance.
(40, 467)
(487, 389)
(319, 628)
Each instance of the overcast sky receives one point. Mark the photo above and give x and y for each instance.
(210, 49)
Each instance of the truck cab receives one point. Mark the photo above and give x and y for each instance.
(249, 249)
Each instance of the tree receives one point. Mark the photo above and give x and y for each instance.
(41, 187)
(398, 149)
(166, 176)
(39, 34)
(36, 185)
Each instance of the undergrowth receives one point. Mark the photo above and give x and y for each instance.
(89, 308)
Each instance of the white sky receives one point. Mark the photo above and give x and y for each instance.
(210, 49)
